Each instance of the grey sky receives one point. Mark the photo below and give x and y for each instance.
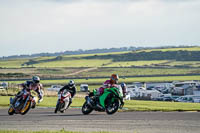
(34, 26)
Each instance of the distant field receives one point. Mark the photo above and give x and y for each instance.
(136, 63)
(75, 66)
(14, 63)
(184, 63)
(96, 83)
(85, 55)
(77, 61)
(139, 71)
(69, 62)
(96, 72)
(98, 63)
(173, 49)
(126, 80)
(155, 63)
(74, 63)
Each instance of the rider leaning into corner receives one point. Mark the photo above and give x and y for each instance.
(109, 83)
(71, 88)
(33, 84)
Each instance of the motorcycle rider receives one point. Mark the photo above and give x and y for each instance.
(35, 85)
(71, 88)
(107, 84)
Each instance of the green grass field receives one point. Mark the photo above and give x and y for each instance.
(173, 49)
(74, 63)
(99, 81)
(184, 63)
(14, 63)
(45, 131)
(94, 72)
(132, 105)
(135, 63)
(137, 105)
(154, 63)
(139, 71)
(103, 71)
(47, 102)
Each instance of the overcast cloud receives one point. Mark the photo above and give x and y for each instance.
(34, 26)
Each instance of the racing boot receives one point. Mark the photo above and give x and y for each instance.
(98, 105)
(33, 105)
(70, 102)
(56, 109)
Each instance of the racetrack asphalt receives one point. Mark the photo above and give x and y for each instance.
(74, 120)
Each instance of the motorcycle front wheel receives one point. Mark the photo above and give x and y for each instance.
(62, 109)
(26, 108)
(11, 111)
(112, 106)
(57, 107)
(86, 109)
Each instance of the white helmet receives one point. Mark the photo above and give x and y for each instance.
(36, 79)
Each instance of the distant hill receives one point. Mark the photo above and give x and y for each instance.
(77, 52)
(172, 54)
(190, 54)
(80, 51)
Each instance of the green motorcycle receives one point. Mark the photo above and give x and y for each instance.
(110, 101)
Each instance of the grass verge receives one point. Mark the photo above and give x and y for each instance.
(47, 102)
(139, 105)
(132, 105)
(44, 131)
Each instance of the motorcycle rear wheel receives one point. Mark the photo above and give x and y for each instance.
(86, 109)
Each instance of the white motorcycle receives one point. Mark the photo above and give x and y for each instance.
(63, 101)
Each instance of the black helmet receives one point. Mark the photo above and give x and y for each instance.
(71, 83)
(36, 79)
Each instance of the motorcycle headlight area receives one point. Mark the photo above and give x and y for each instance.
(59, 96)
(64, 94)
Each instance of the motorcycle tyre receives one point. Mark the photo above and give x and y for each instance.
(89, 110)
(57, 108)
(62, 105)
(29, 106)
(11, 111)
(115, 109)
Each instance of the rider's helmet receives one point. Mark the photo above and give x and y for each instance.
(71, 84)
(36, 79)
(114, 78)
(124, 88)
(123, 85)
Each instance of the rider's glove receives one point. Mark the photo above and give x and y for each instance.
(122, 103)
